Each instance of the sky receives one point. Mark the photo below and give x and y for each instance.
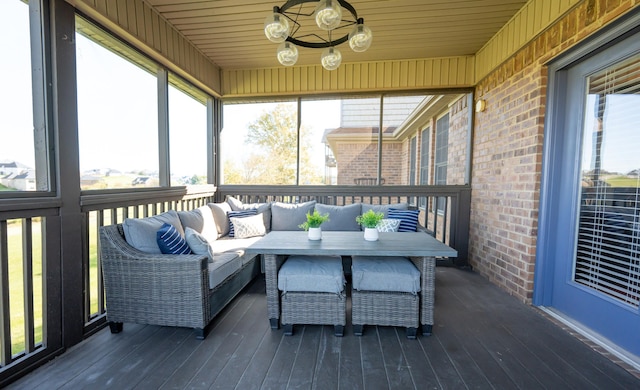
(117, 110)
(621, 134)
(16, 124)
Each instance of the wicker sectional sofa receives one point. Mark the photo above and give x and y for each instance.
(143, 285)
(184, 290)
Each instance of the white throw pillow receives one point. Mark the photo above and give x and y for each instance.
(198, 244)
(387, 225)
(201, 220)
(248, 226)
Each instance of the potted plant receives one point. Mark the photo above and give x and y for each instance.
(312, 224)
(369, 221)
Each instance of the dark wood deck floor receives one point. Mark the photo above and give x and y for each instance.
(482, 339)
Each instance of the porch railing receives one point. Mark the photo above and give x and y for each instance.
(444, 209)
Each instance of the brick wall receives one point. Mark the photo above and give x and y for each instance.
(357, 160)
(458, 135)
(507, 149)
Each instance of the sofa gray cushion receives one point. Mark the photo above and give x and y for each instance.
(220, 211)
(263, 208)
(287, 216)
(234, 245)
(140, 233)
(382, 273)
(341, 218)
(384, 209)
(312, 274)
(223, 266)
(201, 220)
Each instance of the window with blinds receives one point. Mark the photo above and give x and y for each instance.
(608, 245)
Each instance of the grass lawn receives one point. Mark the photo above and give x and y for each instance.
(622, 181)
(16, 281)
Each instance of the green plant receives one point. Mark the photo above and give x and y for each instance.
(370, 219)
(314, 220)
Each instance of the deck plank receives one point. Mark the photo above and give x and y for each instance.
(327, 371)
(483, 338)
(395, 363)
(223, 326)
(351, 375)
(304, 366)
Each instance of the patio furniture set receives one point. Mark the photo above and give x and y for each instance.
(181, 268)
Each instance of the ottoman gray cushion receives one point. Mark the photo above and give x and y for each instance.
(381, 273)
(312, 274)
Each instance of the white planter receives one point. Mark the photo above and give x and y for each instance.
(371, 234)
(315, 233)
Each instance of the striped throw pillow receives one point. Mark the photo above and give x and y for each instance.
(239, 214)
(171, 242)
(408, 219)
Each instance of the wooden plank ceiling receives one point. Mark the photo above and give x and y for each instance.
(230, 32)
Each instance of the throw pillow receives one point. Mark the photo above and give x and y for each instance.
(341, 218)
(140, 233)
(248, 226)
(384, 208)
(238, 214)
(198, 243)
(263, 208)
(388, 225)
(170, 241)
(200, 220)
(287, 216)
(408, 219)
(220, 211)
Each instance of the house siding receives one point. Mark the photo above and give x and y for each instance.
(507, 149)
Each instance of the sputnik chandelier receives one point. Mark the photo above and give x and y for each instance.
(292, 27)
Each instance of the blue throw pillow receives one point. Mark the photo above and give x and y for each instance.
(239, 214)
(171, 242)
(408, 219)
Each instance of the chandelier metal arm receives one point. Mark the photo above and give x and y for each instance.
(283, 10)
(293, 3)
(318, 45)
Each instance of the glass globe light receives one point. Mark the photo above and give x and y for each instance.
(331, 58)
(287, 53)
(328, 14)
(360, 37)
(276, 28)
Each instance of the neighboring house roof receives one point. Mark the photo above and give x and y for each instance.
(30, 174)
(355, 135)
(12, 164)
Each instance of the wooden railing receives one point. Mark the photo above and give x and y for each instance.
(28, 265)
(445, 209)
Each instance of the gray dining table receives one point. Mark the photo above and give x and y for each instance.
(420, 247)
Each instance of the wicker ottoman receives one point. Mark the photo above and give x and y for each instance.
(385, 292)
(312, 292)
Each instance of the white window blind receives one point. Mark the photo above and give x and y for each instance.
(608, 245)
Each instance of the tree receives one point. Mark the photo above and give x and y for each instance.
(273, 160)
